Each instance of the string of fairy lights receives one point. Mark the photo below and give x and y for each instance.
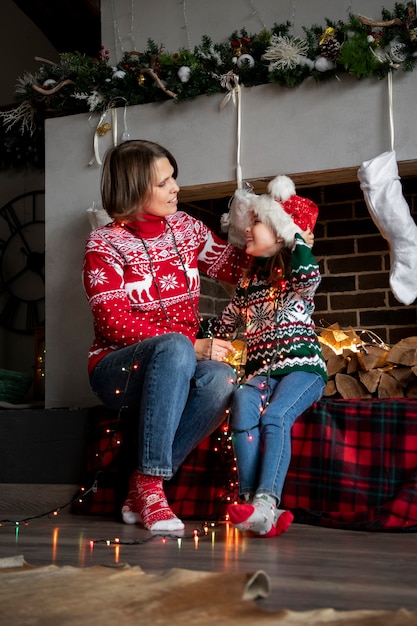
(222, 446)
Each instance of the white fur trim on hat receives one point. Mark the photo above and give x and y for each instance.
(238, 219)
(271, 213)
(281, 187)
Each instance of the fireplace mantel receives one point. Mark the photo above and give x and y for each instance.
(318, 134)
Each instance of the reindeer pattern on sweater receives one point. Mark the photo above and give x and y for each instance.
(140, 286)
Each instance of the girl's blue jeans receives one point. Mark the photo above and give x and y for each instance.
(177, 400)
(261, 431)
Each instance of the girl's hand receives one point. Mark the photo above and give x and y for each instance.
(212, 349)
(308, 237)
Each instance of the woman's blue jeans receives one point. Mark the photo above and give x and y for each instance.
(261, 431)
(178, 400)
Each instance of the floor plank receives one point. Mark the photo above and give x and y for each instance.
(309, 567)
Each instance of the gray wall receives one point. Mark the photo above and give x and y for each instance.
(180, 24)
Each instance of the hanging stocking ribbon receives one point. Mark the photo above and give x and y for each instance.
(230, 81)
(240, 203)
(103, 127)
(381, 186)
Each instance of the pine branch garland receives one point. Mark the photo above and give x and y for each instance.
(79, 84)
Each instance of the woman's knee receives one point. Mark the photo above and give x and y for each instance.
(176, 347)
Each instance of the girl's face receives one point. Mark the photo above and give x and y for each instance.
(164, 192)
(261, 240)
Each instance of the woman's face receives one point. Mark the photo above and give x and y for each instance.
(164, 192)
(261, 240)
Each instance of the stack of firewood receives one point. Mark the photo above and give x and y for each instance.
(361, 368)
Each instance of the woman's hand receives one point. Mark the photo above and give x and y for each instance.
(213, 348)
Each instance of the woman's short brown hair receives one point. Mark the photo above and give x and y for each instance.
(127, 176)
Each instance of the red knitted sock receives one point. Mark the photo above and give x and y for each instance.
(147, 497)
(260, 519)
(239, 514)
(284, 521)
(129, 513)
(282, 524)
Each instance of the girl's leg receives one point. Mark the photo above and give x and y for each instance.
(290, 396)
(247, 407)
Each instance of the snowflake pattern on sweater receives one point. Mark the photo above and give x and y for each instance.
(141, 286)
(280, 332)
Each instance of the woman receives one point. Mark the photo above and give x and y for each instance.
(141, 277)
(285, 370)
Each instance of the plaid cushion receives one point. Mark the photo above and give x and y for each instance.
(201, 487)
(109, 460)
(354, 465)
(199, 490)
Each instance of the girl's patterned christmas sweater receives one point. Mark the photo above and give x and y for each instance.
(279, 328)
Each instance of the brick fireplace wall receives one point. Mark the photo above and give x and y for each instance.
(354, 261)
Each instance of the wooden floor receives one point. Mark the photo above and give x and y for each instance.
(309, 567)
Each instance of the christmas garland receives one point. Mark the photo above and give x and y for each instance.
(360, 47)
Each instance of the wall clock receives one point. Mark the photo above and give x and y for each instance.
(22, 263)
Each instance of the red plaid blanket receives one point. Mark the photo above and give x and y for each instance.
(199, 490)
(354, 465)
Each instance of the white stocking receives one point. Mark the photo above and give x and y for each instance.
(381, 186)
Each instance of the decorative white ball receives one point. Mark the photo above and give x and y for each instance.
(184, 73)
(303, 60)
(119, 74)
(324, 65)
(49, 82)
(245, 59)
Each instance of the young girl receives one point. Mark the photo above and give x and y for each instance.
(285, 370)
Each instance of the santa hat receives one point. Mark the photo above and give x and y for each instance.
(236, 221)
(272, 213)
(303, 211)
(281, 209)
